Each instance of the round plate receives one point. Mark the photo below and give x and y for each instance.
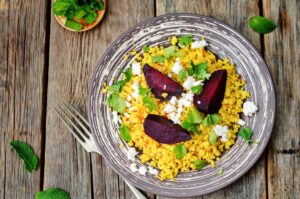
(223, 41)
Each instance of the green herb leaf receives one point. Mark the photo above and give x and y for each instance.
(144, 91)
(197, 89)
(91, 17)
(246, 133)
(200, 164)
(60, 7)
(182, 74)
(261, 24)
(80, 14)
(70, 13)
(185, 40)
(73, 25)
(169, 52)
(213, 138)
(211, 119)
(158, 59)
(190, 127)
(124, 133)
(52, 193)
(26, 153)
(117, 87)
(98, 5)
(128, 74)
(116, 102)
(149, 103)
(220, 172)
(145, 48)
(200, 70)
(180, 151)
(194, 116)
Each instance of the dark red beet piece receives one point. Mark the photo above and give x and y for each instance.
(164, 130)
(210, 99)
(160, 83)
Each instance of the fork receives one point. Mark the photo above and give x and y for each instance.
(79, 127)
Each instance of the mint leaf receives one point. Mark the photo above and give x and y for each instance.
(128, 74)
(80, 14)
(246, 133)
(197, 89)
(124, 133)
(213, 138)
(169, 52)
(180, 151)
(185, 40)
(194, 116)
(145, 48)
(91, 17)
(261, 24)
(200, 164)
(26, 153)
(182, 74)
(149, 103)
(158, 59)
(60, 7)
(52, 193)
(73, 25)
(116, 102)
(144, 91)
(190, 127)
(117, 87)
(211, 119)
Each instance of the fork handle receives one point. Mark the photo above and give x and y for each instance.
(136, 192)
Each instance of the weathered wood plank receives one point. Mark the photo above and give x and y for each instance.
(236, 13)
(282, 55)
(22, 52)
(72, 59)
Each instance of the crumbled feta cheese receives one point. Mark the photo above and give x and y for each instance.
(129, 98)
(116, 118)
(133, 167)
(188, 82)
(184, 102)
(174, 117)
(169, 108)
(135, 87)
(177, 59)
(126, 115)
(222, 131)
(143, 170)
(136, 69)
(199, 44)
(128, 104)
(249, 108)
(177, 67)
(241, 122)
(131, 153)
(197, 83)
(152, 171)
(173, 100)
(169, 75)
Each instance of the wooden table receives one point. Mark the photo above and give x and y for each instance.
(41, 63)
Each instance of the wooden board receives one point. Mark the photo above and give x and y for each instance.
(282, 56)
(72, 59)
(252, 185)
(22, 63)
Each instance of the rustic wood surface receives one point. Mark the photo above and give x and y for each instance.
(41, 64)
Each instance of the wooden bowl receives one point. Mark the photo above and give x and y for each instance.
(100, 14)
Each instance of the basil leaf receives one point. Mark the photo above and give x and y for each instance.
(169, 52)
(190, 127)
(117, 87)
(124, 133)
(128, 74)
(26, 153)
(200, 164)
(158, 59)
(197, 89)
(60, 7)
(261, 24)
(246, 133)
(182, 74)
(144, 91)
(91, 17)
(73, 25)
(149, 103)
(194, 116)
(180, 151)
(80, 14)
(185, 40)
(213, 138)
(145, 48)
(116, 102)
(52, 193)
(211, 119)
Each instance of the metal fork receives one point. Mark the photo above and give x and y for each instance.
(79, 127)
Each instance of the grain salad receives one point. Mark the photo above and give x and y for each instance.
(177, 130)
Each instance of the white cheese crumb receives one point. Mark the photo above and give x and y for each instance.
(135, 87)
(249, 108)
(222, 131)
(143, 170)
(169, 108)
(199, 44)
(133, 167)
(188, 82)
(116, 118)
(129, 98)
(241, 122)
(177, 67)
(197, 83)
(136, 69)
(131, 153)
(174, 117)
(152, 171)
(173, 100)
(126, 115)
(169, 75)
(128, 104)
(177, 59)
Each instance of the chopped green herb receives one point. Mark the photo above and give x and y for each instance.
(200, 164)
(180, 151)
(246, 133)
(73, 25)
(116, 102)
(185, 40)
(201, 70)
(158, 59)
(128, 74)
(211, 119)
(149, 103)
(182, 74)
(26, 153)
(261, 24)
(124, 133)
(60, 7)
(80, 14)
(190, 127)
(90, 18)
(169, 52)
(194, 116)
(197, 89)
(145, 48)
(220, 172)
(213, 138)
(52, 193)
(117, 87)
(144, 91)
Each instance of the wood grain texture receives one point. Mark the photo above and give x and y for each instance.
(22, 53)
(253, 184)
(282, 56)
(72, 59)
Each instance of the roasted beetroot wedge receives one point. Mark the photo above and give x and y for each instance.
(210, 100)
(160, 83)
(164, 130)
